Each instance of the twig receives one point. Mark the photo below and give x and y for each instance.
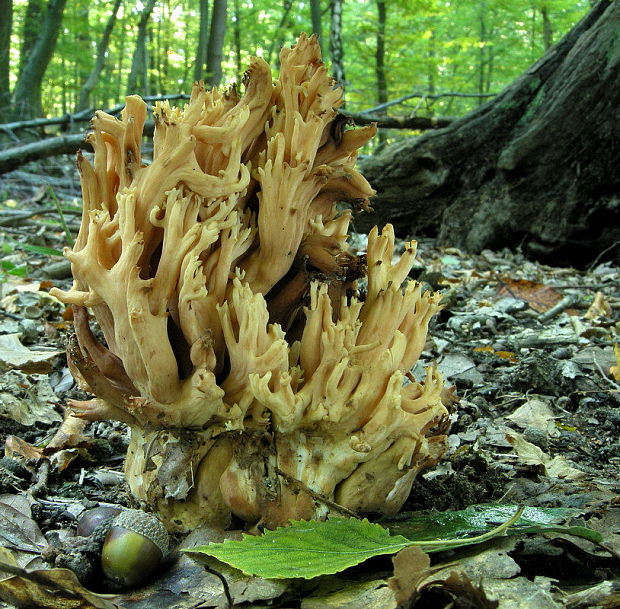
(39, 577)
(40, 484)
(400, 100)
(565, 303)
(610, 381)
(595, 261)
(328, 502)
(62, 216)
(229, 598)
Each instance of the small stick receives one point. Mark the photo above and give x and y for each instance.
(328, 502)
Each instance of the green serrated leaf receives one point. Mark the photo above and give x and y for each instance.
(307, 549)
(475, 520)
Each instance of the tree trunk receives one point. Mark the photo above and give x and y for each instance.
(82, 39)
(137, 80)
(26, 99)
(536, 167)
(547, 28)
(6, 24)
(335, 42)
(382, 87)
(237, 41)
(277, 40)
(102, 49)
(216, 43)
(317, 22)
(200, 65)
(35, 12)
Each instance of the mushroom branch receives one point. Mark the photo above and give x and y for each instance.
(262, 366)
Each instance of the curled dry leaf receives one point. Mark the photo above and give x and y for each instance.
(411, 567)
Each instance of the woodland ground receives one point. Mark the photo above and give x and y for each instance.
(527, 347)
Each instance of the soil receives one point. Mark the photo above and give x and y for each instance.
(527, 348)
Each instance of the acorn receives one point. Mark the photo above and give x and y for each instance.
(91, 519)
(134, 547)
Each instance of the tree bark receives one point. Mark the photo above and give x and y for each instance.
(237, 40)
(335, 42)
(137, 80)
(35, 12)
(6, 24)
(200, 65)
(536, 167)
(216, 43)
(26, 99)
(547, 27)
(317, 22)
(102, 49)
(382, 87)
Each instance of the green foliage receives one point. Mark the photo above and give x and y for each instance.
(432, 47)
(10, 268)
(40, 249)
(307, 549)
(480, 519)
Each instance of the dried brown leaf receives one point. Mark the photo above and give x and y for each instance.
(539, 296)
(411, 567)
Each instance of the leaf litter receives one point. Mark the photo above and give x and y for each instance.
(532, 353)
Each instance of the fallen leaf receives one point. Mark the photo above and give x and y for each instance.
(69, 434)
(507, 355)
(467, 577)
(530, 454)
(411, 566)
(28, 399)
(600, 307)
(615, 370)
(535, 413)
(374, 594)
(68, 443)
(49, 589)
(14, 446)
(18, 531)
(14, 355)
(539, 296)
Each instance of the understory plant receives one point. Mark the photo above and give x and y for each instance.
(262, 366)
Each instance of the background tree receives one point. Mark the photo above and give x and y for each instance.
(137, 82)
(237, 39)
(6, 9)
(102, 50)
(26, 98)
(527, 168)
(200, 63)
(432, 48)
(279, 36)
(336, 49)
(382, 90)
(35, 13)
(317, 22)
(216, 43)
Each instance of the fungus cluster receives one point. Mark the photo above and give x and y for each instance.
(262, 366)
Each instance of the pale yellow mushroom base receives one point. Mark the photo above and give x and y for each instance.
(262, 366)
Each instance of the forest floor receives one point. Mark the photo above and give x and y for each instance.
(528, 348)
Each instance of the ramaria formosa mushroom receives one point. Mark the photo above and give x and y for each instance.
(263, 368)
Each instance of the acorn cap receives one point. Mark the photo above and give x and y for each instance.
(147, 525)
